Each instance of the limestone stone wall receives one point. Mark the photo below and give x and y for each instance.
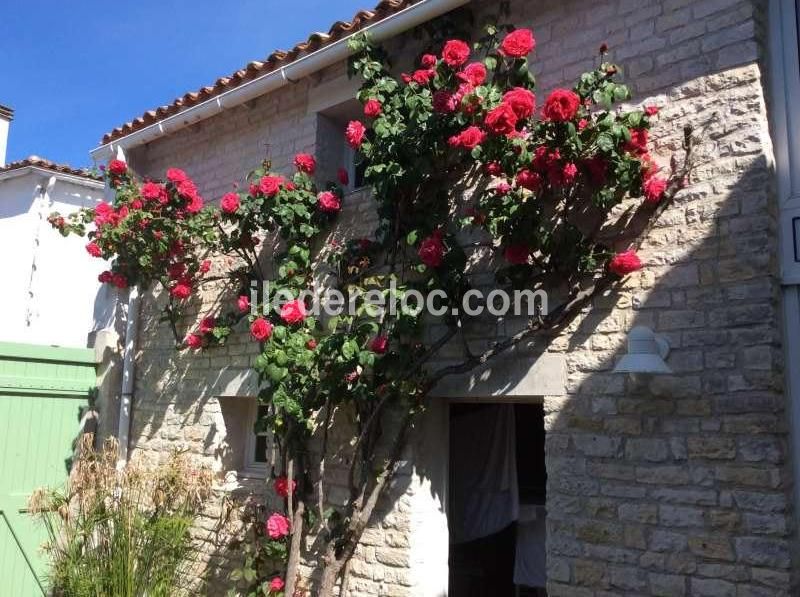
(676, 486)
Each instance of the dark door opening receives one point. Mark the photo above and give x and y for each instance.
(496, 496)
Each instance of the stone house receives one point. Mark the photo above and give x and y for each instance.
(675, 485)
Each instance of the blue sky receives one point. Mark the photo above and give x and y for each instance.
(72, 71)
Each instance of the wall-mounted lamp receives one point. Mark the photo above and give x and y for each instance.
(646, 353)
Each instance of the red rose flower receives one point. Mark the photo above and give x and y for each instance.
(94, 249)
(651, 110)
(354, 133)
(207, 325)
(343, 176)
(638, 143)
(518, 43)
(229, 203)
(194, 341)
(205, 266)
(468, 138)
(528, 179)
(195, 204)
(444, 102)
(278, 526)
(176, 270)
(311, 344)
(455, 53)
(568, 173)
(243, 304)
(105, 277)
(270, 185)
(282, 486)
(137, 204)
(654, 188)
(423, 76)
(625, 263)
(431, 250)
(329, 202)
(305, 162)
(474, 74)
(181, 290)
(521, 100)
(494, 169)
(152, 191)
(117, 167)
(501, 120)
(372, 108)
(276, 585)
(260, 329)
(561, 105)
(176, 175)
(379, 344)
(293, 312)
(517, 254)
(428, 60)
(119, 280)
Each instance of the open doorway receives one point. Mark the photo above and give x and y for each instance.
(496, 500)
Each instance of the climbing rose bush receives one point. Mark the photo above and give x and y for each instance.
(460, 145)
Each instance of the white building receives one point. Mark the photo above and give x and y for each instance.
(49, 285)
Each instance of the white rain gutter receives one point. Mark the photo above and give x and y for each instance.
(402, 21)
(128, 376)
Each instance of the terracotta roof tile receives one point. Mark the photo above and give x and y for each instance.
(36, 161)
(258, 68)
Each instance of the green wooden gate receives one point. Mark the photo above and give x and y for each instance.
(43, 391)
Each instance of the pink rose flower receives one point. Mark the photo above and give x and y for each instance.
(243, 304)
(329, 202)
(278, 526)
(354, 133)
(305, 162)
(276, 585)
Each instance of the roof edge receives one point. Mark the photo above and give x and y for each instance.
(404, 15)
(36, 162)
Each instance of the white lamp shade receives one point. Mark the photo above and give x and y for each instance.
(646, 353)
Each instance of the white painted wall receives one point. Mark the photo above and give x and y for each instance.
(49, 286)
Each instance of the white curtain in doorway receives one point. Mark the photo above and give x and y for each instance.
(485, 478)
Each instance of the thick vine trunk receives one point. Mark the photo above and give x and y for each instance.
(293, 565)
